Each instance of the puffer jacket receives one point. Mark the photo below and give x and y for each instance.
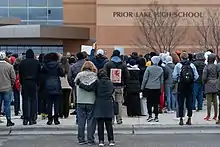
(87, 78)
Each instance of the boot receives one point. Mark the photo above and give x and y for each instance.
(25, 122)
(56, 120)
(181, 122)
(189, 121)
(10, 123)
(50, 121)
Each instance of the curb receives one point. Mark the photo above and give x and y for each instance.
(118, 129)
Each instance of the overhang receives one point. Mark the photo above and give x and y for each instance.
(41, 31)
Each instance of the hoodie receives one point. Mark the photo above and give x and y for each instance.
(87, 78)
(117, 63)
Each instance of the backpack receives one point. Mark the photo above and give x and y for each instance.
(186, 74)
(53, 85)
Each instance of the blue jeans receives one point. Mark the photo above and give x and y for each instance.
(198, 95)
(171, 102)
(85, 114)
(6, 98)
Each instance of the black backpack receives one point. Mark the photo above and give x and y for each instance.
(186, 74)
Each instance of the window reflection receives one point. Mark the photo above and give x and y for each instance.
(37, 14)
(55, 3)
(42, 3)
(3, 3)
(18, 12)
(3, 12)
(17, 2)
(55, 14)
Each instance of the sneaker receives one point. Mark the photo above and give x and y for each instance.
(156, 119)
(111, 143)
(82, 142)
(150, 118)
(101, 144)
(91, 143)
(207, 118)
(10, 123)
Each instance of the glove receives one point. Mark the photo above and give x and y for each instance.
(78, 82)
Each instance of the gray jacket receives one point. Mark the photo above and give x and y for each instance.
(153, 78)
(169, 69)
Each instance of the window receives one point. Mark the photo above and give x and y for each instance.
(45, 49)
(55, 3)
(12, 49)
(55, 14)
(37, 3)
(43, 22)
(60, 22)
(36, 49)
(3, 3)
(3, 12)
(21, 49)
(18, 3)
(37, 14)
(18, 12)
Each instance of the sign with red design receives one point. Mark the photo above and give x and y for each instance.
(115, 75)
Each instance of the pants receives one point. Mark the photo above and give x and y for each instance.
(119, 97)
(64, 103)
(53, 100)
(212, 98)
(42, 103)
(29, 102)
(153, 99)
(198, 96)
(185, 96)
(177, 106)
(16, 100)
(219, 107)
(85, 114)
(108, 126)
(170, 97)
(6, 98)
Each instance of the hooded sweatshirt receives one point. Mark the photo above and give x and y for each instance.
(99, 61)
(86, 78)
(117, 63)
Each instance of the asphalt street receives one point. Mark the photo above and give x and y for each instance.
(171, 140)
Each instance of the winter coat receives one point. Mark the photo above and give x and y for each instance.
(133, 83)
(74, 70)
(51, 72)
(210, 76)
(200, 65)
(141, 75)
(169, 69)
(99, 61)
(87, 78)
(153, 78)
(117, 63)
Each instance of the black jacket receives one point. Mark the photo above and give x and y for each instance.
(117, 63)
(200, 65)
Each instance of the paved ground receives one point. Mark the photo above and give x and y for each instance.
(181, 140)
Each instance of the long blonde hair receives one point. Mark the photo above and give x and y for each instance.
(88, 65)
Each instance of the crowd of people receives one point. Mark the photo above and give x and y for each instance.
(154, 83)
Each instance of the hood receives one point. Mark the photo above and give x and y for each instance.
(116, 59)
(30, 53)
(87, 77)
(169, 59)
(134, 67)
(155, 60)
(200, 56)
(100, 58)
(185, 61)
(51, 65)
(211, 58)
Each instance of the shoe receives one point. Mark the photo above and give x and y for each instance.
(43, 116)
(25, 122)
(189, 121)
(111, 143)
(10, 123)
(73, 113)
(82, 142)
(215, 118)
(218, 122)
(119, 122)
(22, 117)
(50, 121)
(101, 144)
(156, 119)
(207, 118)
(181, 122)
(150, 118)
(56, 120)
(91, 143)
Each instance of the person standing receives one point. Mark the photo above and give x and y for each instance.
(66, 89)
(152, 86)
(7, 81)
(209, 78)
(85, 103)
(171, 101)
(100, 60)
(185, 74)
(29, 72)
(198, 84)
(51, 73)
(118, 72)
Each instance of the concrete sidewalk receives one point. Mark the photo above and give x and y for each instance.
(167, 122)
